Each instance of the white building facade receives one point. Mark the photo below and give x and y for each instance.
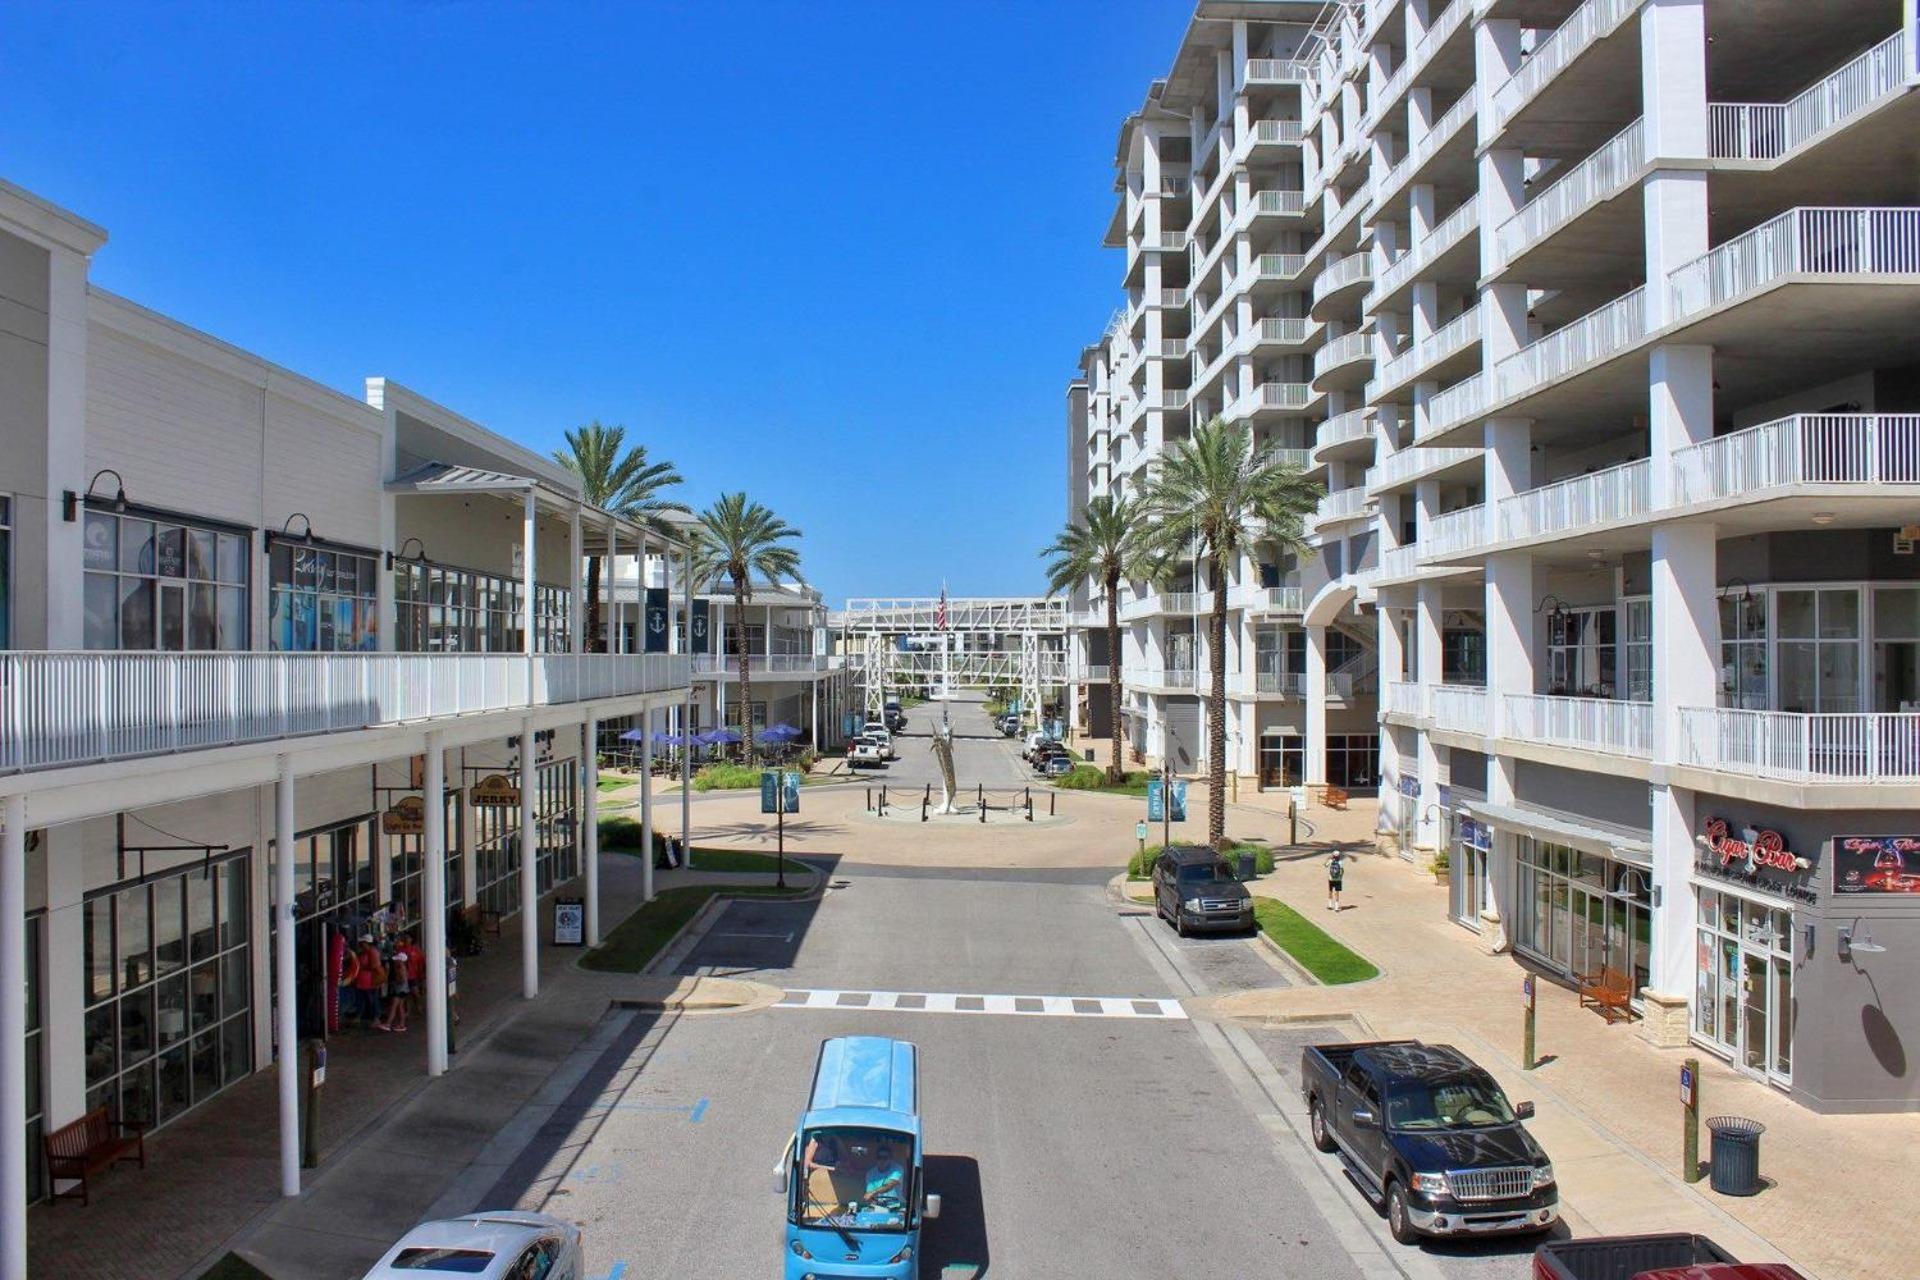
(241, 614)
(1621, 376)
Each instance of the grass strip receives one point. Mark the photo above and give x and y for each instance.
(636, 940)
(1310, 946)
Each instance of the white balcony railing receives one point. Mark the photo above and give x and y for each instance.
(1342, 505)
(1399, 562)
(1610, 170)
(60, 709)
(1403, 698)
(1279, 202)
(1456, 335)
(1352, 269)
(1454, 533)
(1345, 428)
(1267, 132)
(1278, 71)
(1290, 332)
(1417, 57)
(1459, 403)
(759, 664)
(1276, 599)
(1435, 138)
(1799, 242)
(1591, 724)
(1807, 448)
(1582, 502)
(1461, 708)
(1278, 266)
(1601, 333)
(1274, 395)
(1586, 26)
(1452, 230)
(1408, 464)
(1769, 130)
(1343, 350)
(1790, 746)
(1171, 241)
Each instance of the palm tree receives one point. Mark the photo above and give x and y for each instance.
(1215, 495)
(1106, 544)
(620, 480)
(735, 539)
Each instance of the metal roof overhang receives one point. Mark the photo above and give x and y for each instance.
(1588, 837)
(445, 479)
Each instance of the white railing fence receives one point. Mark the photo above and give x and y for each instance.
(1453, 532)
(59, 709)
(1459, 707)
(1600, 333)
(1611, 169)
(1821, 242)
(1588, 24)
(1794, 747)
(1579, 502)
(1596, 724)
(1768, 130)
(1403, 698)
(1806, 448)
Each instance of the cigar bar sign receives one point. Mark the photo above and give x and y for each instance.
(1754, 856)
(1876, 864)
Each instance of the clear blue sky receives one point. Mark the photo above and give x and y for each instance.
(841, 255)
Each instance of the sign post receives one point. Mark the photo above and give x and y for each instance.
(1690, 1119)
(1527, 1060)
(312, 1078)
(780, 795)
(1140, 834)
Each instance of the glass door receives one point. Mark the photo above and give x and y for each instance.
(1755, 987)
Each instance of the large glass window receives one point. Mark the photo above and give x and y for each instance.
(440, 609)
(167, 1021)
(405, 855)
(1582, 912)
(1896, 649)
(1819, 649)
(1743, 997)
(1636, 649)
(323, 600)
(1743, 650)
(1580, 652)
(163, 584)
(497, 841)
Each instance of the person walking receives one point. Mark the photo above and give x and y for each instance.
(1336, 875)
(397, 989)
(416, 972)
(369, 977)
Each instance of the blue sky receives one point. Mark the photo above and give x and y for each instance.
(841, 255)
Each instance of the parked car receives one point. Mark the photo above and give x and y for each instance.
(895, 716)
(1674, 1256)
(1010, 724)
(504, 1245)
(1430, 1137)
(1059, 766)
(1195, 889)
(884, 736)
(1033, 744)
(865, 752)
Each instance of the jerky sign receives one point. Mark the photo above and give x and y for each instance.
(494, 791)
(1755, 849)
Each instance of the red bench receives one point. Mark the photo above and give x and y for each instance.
(90, 1144)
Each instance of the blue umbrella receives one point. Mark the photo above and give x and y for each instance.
(634, 735)
(726, 736)
(779, 733)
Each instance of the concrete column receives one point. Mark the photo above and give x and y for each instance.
(1671, 960)
(63, 994)
(287, 1028)
(1510, 595)
(529, 859)
(1429, 654)
(1393, 649)
(590, 838)
(646, 805)
(1315, 703)
(530, 521)
(606, 592)
(433, 905)
(13, 1038)
(686, 718)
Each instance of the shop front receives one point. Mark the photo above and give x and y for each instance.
(1469, 845)
(1407, 815)
(1579, 912)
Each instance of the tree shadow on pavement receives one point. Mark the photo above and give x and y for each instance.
(955, 1243)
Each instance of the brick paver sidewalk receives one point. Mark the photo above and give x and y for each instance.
(1608, 1103)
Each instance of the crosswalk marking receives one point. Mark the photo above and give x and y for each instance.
(1015, 1006)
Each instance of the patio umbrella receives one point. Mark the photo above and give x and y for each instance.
(634, 735)
(726, 737)
(779, 733)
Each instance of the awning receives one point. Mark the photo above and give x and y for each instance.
(456, 480)
(1580, 833)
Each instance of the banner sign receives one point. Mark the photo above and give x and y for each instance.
(569, 922)
(656, 620)
(1179, 800)
(495, 791)
(406, 817)
(1876, 864)
(779, 792)
(1156, 800)
(700, 632)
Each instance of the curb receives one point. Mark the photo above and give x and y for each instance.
(689, 935)
(760, 996)
(1287, 962)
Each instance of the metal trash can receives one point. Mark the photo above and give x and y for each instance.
(1246, 865)
(1736, 1155)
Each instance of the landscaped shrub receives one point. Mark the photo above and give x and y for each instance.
(728, 777)
(1140, 865)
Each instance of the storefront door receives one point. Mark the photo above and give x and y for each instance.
(1743, 1006)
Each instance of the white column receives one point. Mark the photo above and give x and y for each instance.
(530, 520)
(285, 993)
(13, 1039)
(686, 717)
(590, 839)
(529, 871)
(63, 994)
(646, 805)
(433, 906)
(576, 589)
(1430, 661)
(1315, 702)
(606, 593)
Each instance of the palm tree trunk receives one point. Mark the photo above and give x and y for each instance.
(1115, 770)
(592, 642)
(746, 679)
(1217, 706)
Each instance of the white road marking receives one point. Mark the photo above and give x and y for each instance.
(1015, 1006)
(777, 937)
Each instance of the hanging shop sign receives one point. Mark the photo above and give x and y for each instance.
(495, 791)
(656, 628)
(406, 817)
(1876, 864)
(1755, 856)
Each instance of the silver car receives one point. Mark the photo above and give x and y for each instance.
(503, 1245)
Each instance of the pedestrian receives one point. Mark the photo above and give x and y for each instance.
(348, 997)
(397, 989)
(416, 971)
(369, 977)
(1336, 874)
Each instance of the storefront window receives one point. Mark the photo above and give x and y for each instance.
(440, 609)
(405, 858)
(1743, 995)
(497, 841)
(1353, 761)
(323, 599)
(1636, 650)
(1582, 912)
(163, 584)
(168, 1025)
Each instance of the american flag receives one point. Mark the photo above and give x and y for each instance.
(940, 610)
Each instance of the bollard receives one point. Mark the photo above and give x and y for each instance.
(1293, 823)
(1690, 1119)
(1527, 1061)
(1051, 797)
(311, 1079)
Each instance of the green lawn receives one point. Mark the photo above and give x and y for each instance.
(637, 939)
(615, 783)
(1308, 944)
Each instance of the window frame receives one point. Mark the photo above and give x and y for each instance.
(118, 574)
(366, 595)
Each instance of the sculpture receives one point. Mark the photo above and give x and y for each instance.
(943, 752)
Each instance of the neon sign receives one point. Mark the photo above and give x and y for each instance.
(1756, 849)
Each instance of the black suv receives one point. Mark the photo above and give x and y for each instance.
(1194, 889)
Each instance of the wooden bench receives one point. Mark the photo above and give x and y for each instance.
(1609, 992)
(1334, 797)
(90, 1144)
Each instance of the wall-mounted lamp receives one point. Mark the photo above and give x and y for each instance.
(70, 501)
(1857, 940)
(1559, 609)
(301, 516)
(421, 554)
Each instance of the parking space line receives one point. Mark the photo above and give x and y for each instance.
(1134, 1007)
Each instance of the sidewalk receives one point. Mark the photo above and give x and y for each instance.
(1609, 1110)
(391, 1138)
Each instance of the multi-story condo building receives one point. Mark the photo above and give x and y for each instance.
(1622, 374)
(270, 656)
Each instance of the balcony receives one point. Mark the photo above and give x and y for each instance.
(1339, 279)
(1343, 363)
(61, 709)
(1286, 397)
(1275, 332)
(1399, 563)
(1345, 504)
(1817, 243)
(1435, 245)
(1417, 58)
(1460, 708)
(1445, 130)
(1274, 204)
(1270, 133)
(1457, 335)
(1271, 71)
(1267, 600)
(1611, 170)
(1769, 130)
(1271, 684)
(1455, 533)
(1598, 336)
(1160, 677)
(1586, 26)
(1407, 465)
(1787, 746)
(1587, 724)
(1337, 433)
(1579, 503)
(1805, 449)
(1167, 242)
(759, 664)
(1403, 698)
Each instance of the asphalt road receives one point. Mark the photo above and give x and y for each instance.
(981, 755)
(1100, 1133)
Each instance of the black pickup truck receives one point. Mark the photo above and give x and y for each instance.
(1430, 1137)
